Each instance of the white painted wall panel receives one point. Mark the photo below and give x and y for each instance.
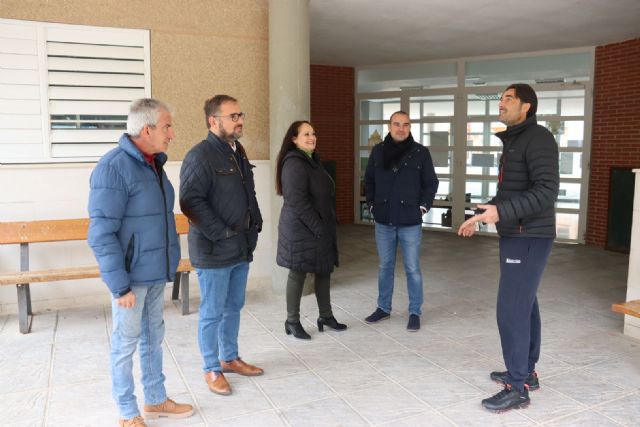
(14, 136)
(16, 121)
(19, 106)
(19, 91)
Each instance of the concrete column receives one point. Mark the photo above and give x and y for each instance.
(288, 93)
(632, 324)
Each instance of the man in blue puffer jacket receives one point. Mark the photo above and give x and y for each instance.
(133, 236)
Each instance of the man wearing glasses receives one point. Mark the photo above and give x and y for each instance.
(524, 213)
(218, 196)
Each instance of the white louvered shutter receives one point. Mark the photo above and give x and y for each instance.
(88, 77)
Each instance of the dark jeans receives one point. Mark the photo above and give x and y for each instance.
(295, 284)
(522, 262)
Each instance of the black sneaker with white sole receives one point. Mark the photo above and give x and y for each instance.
(508, 398)
(531, 382)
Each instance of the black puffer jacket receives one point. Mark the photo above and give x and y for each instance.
(397, 193)
(217, 194)
(307, 227)
(529, 181)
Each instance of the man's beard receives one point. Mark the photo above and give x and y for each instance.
(230, 136)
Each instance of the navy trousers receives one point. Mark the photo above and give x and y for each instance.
(522, 262)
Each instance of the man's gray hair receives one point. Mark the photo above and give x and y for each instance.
(143, 112)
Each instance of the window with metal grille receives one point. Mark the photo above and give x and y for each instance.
(65, 90)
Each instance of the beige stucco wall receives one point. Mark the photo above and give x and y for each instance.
(199, 48)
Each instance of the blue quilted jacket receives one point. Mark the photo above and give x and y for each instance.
(132, 229)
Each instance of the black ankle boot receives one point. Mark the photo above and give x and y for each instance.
(330, 322)
(296, 329)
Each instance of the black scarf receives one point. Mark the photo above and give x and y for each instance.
(393, 151)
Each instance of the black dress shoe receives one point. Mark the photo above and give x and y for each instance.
(377, 316)
(508, 398)
(296, 329)
(531, 381)
(330, 322)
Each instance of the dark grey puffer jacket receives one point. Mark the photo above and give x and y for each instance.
(307, 227)
(217, 194)
(529, 181)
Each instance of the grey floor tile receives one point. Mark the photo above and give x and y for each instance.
(585, 387)
(19, 373)
(548, 367)
(471, 413)
(623, 371)
(346, 378)
(87, 403)
(321, 355)
(246, 398)
(23, 408)
(84, 323)
(404, 365)
(277, 363)
(295, 389)
(320, 413)
(78, 361)
(583, 419)
(264, 419)
(441, 390)
(384, 403)
(626, 411)
(425, 419)
(547, 404)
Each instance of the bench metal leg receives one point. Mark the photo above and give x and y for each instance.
(24, 308)
(175, 294)
(184, 285)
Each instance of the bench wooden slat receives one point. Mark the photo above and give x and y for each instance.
(43, 231)
(58, 230)
(632, 308)
(88, 272)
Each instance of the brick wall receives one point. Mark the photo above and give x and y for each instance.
(616, 127)
(332, 110)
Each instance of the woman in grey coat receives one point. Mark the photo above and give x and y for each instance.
(307, 227)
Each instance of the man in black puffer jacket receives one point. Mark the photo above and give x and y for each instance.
(400, 185)
(524, 214)
(218, 196)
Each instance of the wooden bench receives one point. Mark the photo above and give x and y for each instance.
(632, 308)
(27, 232)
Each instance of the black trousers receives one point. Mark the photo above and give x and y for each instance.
(522, 262)
(295, 285)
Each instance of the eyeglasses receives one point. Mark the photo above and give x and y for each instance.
(234, 116)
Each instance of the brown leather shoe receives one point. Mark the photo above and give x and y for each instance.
(217, 383)
(169, 409)
(132, 422)
(240, 367)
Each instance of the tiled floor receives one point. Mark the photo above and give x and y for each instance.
(369, 374)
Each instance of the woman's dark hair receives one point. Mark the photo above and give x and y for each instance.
(526, 94)
(287, 145)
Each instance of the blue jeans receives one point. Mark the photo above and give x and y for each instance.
(409, 237)
(143, 322)
(222, 293)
